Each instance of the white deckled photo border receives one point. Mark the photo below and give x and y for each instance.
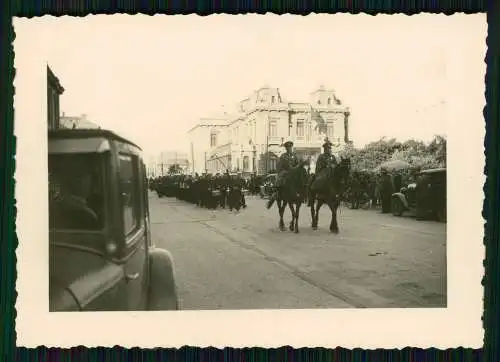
(457, 325)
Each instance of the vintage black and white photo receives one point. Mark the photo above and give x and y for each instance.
(246, 163)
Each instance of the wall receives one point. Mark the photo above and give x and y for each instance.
(249, 128)
(199, 138)
(54, 90)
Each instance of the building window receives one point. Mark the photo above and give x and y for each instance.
(273, 129)
(273, 99)
(329, 101)
(300, 129)
(213, 139)
(246, 163)
(129, 179)
(329, 130)
(319, 101)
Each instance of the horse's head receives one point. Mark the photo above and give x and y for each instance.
(299, 173)
(304, 162)
(342, 169)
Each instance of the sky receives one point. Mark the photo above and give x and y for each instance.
(152, 78)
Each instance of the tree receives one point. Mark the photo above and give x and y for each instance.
(437, 148)
(174, 169)
(415, 152)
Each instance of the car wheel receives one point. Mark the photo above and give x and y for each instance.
(397, 207)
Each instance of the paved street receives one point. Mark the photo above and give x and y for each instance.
(230, 260)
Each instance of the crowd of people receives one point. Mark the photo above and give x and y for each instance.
(228, 190)
(207, 190)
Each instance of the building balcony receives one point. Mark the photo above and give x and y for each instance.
(221, 149)
(275, 140)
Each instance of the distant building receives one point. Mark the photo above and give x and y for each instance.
(77, 122)
(160, 165)
(249, 139)
(54, 91)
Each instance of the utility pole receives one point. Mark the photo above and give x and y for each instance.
(206, 169)
(267, 154)
(192, 157)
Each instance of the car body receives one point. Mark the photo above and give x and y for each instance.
(268, 185)
(426, 197)
(101, 256)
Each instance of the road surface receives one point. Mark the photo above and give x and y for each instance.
(230, 260)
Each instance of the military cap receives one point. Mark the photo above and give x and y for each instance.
(327, 143)
(288, 144)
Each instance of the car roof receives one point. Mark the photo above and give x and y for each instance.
(88, 133)
(433, 170)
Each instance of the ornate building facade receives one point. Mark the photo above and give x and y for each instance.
(249, 140)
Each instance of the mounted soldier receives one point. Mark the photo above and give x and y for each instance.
(328, 185)
(325, 160)
(286, 161)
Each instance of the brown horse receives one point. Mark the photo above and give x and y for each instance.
(328, 191)
(292, 193)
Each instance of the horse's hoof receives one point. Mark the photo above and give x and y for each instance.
(282, 228)
(314, 227)
(296, 231)
(335, 231)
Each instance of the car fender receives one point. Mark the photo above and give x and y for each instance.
(162, 293)
(400, 196)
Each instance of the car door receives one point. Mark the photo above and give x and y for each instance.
(135, 250)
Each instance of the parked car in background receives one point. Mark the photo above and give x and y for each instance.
(268, 185)
(101, 256)
(426, 198)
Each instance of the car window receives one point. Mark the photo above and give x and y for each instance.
(129, 190)
(76, 191)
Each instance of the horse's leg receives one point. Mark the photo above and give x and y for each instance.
(314, 225)
(297, 210)
(292, 211)
(312, 204)
(319, 203)
(281, 210)
(334, 227)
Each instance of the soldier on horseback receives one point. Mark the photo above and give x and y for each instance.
(326, 159)
(286, 161)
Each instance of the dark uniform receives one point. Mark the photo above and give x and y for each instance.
(325, 160)
(285, 163)
(386, 191)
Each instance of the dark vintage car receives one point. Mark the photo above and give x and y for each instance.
(268, 185)
(426, 198)
(101, 255)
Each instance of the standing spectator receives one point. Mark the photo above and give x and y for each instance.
(386, 192)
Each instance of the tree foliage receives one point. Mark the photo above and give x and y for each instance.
(415, 152)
